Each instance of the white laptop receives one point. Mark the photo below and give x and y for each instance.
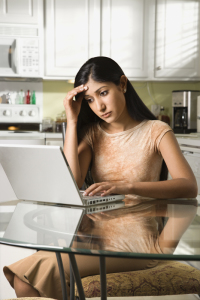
(41, 173)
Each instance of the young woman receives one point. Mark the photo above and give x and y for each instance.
(121, 148)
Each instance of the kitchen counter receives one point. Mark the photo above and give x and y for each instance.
(31, 138)
(192, 139)
(30, 134)
(22, 134)
(53, 135)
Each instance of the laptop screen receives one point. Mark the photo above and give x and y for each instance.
(39, 173)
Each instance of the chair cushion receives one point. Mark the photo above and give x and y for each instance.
(167, 278)
(30, 298)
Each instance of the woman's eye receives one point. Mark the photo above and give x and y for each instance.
(89, 100)
(104, 93)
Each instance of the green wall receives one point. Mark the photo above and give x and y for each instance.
(161, 92)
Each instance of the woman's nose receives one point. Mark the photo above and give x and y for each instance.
(100, 105)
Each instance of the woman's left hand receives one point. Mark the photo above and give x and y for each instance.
(108, 188)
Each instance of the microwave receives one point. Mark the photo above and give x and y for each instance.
(20, 57)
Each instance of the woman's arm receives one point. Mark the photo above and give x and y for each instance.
(78, 156)
(182, 185)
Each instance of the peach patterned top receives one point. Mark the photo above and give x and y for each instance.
(128, 155)
(131, 155)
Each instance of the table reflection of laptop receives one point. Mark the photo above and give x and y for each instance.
(38, 223)
(41, 173)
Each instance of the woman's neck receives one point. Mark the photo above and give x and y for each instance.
(119, 126)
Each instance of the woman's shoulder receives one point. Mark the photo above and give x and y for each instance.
(157, 130)
(157, 125)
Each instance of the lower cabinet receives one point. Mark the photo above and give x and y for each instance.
(54, 142)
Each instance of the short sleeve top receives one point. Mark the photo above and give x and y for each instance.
(131, 155)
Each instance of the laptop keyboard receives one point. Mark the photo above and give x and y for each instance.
(90, 197)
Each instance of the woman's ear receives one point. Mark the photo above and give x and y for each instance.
(123, 83)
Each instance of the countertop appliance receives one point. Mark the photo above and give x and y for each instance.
(20, 57)
(24, 114)
(20, 123)
(184, 111)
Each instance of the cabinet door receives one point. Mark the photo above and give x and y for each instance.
(72, 35)
(20, 11)
(177, 39)
(126, 34)
(54, 142)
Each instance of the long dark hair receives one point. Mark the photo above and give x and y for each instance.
(105, 69)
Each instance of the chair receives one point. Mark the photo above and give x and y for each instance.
(31, 298)
(167, 278)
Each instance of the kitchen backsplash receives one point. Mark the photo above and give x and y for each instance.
(160, 92)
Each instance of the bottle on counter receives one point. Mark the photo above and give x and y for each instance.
(163, 117)
(28, 96)
(33, 98)
(21, 95)
(17, 99)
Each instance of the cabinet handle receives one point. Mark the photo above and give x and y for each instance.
(187, 152)
(158, 68)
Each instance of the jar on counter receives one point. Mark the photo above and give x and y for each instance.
(58, 124)
(59, 120)
(47, 125)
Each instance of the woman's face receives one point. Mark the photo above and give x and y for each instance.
(106, 99)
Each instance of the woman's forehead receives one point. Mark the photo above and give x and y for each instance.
(95, 85)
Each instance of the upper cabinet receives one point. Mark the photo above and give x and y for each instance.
(125, 34)
(177, 39)
(72, 31)
(150, 39)
(20, 11)
(79, 29)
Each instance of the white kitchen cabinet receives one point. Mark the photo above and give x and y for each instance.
(54, 142)
(177, 39)
(20, 11)
(53, 139)
(72, 35)
(80, 29)
(127, 29)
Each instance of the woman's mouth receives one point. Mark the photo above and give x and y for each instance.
(106, 115)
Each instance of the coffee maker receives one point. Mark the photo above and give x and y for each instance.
(184, 111)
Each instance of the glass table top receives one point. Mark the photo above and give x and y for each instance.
(145, 228)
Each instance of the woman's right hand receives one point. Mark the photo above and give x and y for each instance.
(72, 107)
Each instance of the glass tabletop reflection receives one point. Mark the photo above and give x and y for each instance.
(148, 228)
